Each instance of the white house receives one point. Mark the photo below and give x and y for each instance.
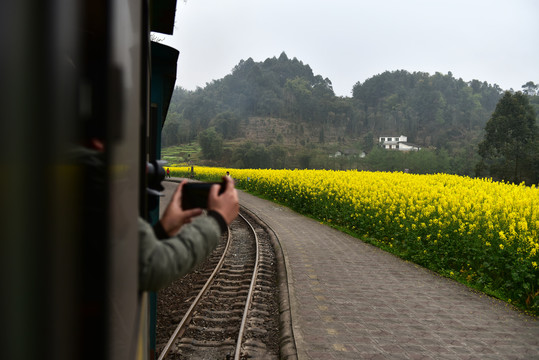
(397, 143)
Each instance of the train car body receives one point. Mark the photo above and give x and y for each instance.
(69, 280)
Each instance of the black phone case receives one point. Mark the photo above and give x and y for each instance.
(195, 195)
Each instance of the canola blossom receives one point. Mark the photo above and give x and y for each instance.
(482, 232)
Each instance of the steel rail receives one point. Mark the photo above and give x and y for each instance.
(249, 295)
(187, 317)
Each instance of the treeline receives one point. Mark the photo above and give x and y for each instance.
(437, 112)
(433, 110)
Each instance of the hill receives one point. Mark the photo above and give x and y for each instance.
(280, 107)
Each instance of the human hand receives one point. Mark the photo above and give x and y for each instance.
(174, 217)
(226, 204)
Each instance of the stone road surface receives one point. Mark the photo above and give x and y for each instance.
(350, 300)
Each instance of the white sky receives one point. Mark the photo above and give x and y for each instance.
(352, 40)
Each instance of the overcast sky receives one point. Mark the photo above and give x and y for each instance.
(347, 41)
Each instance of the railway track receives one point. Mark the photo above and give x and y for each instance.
(228, 308)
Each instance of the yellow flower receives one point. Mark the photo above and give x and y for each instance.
(435, 208)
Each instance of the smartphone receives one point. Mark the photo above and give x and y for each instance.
(195, 194)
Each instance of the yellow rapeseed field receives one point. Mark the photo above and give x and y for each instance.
(481, 232)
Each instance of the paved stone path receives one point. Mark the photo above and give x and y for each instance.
(350, 300)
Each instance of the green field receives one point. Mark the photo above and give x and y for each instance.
(181, 154)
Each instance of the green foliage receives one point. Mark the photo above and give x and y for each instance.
(510, 149)
(437, 112)
(227, 124)
(278, 156)
(417, 162)
(181, 155)
(250, 155)
(534, 102)
(368, 142)
(530, 88)
(170, 133)
(432, 110)
(211, 143)
(257, 156)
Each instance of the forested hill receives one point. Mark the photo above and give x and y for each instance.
(277, 87)
(431, 109)
(437, 111)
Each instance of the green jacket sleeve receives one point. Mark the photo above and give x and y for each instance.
(163, 261)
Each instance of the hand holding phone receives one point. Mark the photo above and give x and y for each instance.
(195, 195)
(225, 203)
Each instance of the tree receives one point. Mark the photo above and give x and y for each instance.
(211, 143)
(368, 142)
(278, 156)
(227, 123)
(251, 156)
(305, 159)
(169, 134)
(530, 88)
(509, 150)
(298, 96)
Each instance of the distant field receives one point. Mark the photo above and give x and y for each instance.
(181, 154)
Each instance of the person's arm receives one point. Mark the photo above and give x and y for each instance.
(162, 262)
